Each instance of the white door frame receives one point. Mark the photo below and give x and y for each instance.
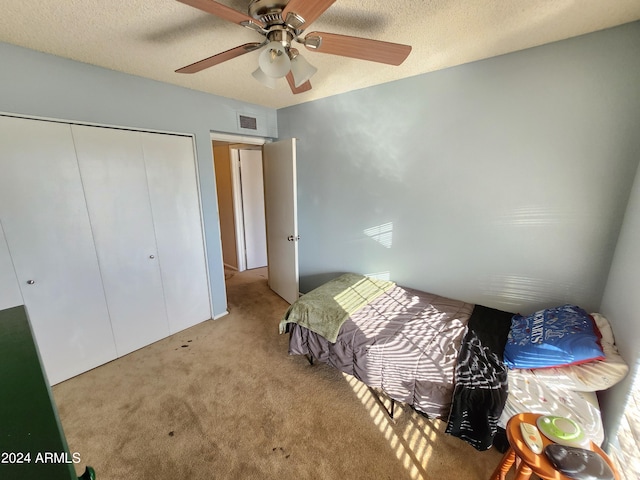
(231, 138)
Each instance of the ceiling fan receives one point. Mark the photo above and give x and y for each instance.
(283, 22)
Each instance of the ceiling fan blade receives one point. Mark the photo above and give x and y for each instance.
(222, 11)
(305, 87)
(362, 48)
(220, 57)
(309, 10)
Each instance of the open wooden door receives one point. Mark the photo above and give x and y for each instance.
(281, 217)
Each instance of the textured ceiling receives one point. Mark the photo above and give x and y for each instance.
(152, 38)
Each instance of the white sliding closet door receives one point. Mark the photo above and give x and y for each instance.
(173, 189)
(45, 221)
(113, 173)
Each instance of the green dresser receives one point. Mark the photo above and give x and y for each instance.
(32, 442)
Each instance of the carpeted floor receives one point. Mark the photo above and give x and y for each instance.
(223, 400)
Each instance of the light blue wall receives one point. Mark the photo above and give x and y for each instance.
(37, 84)
(503, 182)
(621, 305)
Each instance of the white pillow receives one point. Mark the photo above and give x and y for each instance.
(591, 376)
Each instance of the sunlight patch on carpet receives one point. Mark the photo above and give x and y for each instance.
(409, 437)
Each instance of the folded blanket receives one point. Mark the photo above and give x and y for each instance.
(326, 308)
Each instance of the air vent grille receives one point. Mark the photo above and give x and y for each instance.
(250, 123)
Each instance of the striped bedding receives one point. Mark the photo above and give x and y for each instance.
(405, 342)
(443, 357)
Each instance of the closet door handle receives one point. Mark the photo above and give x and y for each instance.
(152, 257)
(30, 282)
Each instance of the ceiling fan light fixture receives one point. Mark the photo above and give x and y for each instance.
(282, 22)
(274, 60)
(264, 79)
(302, 70)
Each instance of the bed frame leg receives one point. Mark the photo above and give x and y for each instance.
(379, 396)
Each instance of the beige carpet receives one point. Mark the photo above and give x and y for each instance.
(223, 400)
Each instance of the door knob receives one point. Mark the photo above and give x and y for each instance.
(152, 256)
(30, 282)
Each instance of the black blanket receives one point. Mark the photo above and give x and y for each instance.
(481, 385)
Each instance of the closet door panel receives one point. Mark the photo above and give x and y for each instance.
(114, 177)
(48, 234)
(173, 190)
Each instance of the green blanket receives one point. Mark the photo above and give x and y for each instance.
(326, 308)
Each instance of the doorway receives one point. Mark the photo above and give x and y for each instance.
(248, 195)
(240, 189)
(277, 214)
